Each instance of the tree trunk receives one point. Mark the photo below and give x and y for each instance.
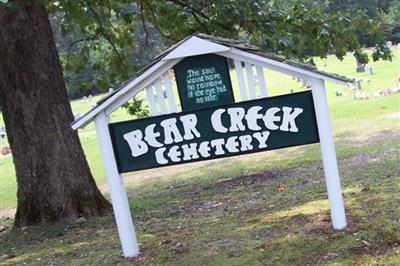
(54, 179)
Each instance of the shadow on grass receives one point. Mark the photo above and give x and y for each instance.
(233, 213)
(281, 204)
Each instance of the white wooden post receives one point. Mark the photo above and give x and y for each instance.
(242, 85)
(170, 94)
(250, 80)
(261, 82)
(160, 96)
(151, 100)
(119, 198)
(327, 144)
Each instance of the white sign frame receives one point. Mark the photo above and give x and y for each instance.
(197, 45)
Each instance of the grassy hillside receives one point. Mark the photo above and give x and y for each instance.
(340, 108)
(264, 208)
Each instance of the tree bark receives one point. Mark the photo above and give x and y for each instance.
(54, 179)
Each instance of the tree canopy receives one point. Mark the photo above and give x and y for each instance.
(101, 43)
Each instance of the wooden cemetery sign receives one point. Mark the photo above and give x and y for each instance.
(203, 81)
(213, 123)
(215, 132)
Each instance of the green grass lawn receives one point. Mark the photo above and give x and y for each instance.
(265, 208)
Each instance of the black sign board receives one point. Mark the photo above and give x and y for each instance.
(222, 131)
(203, 81)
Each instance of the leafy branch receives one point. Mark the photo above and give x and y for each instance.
(102, 30)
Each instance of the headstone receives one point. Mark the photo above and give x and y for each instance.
(360, 67)
(357, 84)
(5, 149)
(398, 83)
(77, 115)
(3, 132)
(305, 84)
(369, 69)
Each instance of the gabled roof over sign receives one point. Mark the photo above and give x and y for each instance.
(196, 44)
